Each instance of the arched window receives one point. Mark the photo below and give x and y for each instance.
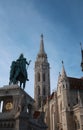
(38, 76)
(76, 100)
(44, 91)
(43, 76)
(63, 86)
(60, 106)
(39, 101)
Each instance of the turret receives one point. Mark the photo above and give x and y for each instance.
(63, 74)
(42, 56)
(42, 76)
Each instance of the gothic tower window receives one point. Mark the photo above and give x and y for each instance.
(38, 76)
(61, 106)
(39, 102)
(44, 77)
(44, 91)
(63, 86)
(76, 100)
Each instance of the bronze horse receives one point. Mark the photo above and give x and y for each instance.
(18, 72)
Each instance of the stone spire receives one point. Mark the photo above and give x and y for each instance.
(42, 56)
(42, 51)
(42, 77)
(63, 74)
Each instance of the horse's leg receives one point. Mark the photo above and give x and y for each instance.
(20, 83)
(23, 85)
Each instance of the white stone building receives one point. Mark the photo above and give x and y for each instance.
(64, 107)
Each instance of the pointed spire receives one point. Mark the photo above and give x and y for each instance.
(42, 56)
(63, 74)
(42, 45)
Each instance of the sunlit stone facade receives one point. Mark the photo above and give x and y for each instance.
(64, 107)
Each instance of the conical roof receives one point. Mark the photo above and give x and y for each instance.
(42, 51)
(63, 74)
(42, 56)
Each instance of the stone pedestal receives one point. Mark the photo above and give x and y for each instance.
(16, 108)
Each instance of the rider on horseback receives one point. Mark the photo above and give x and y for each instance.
(18, 68)
(21, 61)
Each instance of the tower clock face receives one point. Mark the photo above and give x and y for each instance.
(8, 106)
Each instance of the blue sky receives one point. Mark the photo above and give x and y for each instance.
(21, 24)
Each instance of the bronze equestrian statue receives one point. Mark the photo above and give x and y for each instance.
(18, 71)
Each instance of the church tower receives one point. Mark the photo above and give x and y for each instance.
(42, 77)
(63, 99)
